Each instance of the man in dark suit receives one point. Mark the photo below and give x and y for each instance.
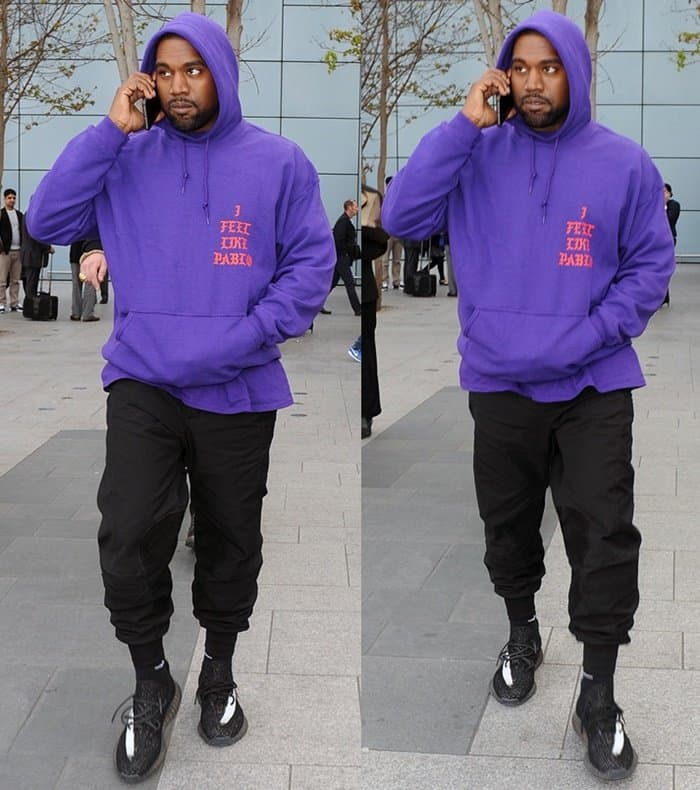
(34, 256)
(673, 211)
(10, 242)
(347, 250)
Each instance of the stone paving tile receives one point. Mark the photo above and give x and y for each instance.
(390, 564)
(319, 565)
(180, 775)
(315, 643)
(392, 771)
(26, 772)
(536, 729)
(84, 772)
(422, 705)
(312, 777)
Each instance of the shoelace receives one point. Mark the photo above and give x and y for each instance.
(216, 688)
(515, 651)
(139, 712)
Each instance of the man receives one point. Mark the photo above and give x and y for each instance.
(346, 250)
(34, 255)
(673, 211)
(562, 253)
(10, 258)
(391, 259)
(219, 250)
(83, 294)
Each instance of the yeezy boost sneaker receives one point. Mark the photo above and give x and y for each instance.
(514, 680)
(221, 722)
(598, 720)
(148, 720)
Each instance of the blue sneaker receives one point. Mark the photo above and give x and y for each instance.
(355, 353)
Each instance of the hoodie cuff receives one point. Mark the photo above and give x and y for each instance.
(110, 133)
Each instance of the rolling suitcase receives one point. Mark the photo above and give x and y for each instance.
(424, 283)
(43, 306)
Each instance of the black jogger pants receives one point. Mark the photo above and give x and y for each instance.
(582, 450)
(153, 442)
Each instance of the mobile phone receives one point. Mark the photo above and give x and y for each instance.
(504, 104)
(151, 109)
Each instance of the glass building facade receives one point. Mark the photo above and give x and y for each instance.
(284, 87)
(641, 94)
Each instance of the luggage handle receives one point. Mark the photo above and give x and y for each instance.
(41, 276)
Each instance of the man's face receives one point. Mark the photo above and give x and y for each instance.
(352, 210)
(185, 86)
(10, 201)
(539, 83)
(667, 195)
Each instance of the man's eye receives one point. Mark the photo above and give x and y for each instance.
(550, 69)
(194, 71)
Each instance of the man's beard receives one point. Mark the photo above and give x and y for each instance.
(540, 120)
(193, 123)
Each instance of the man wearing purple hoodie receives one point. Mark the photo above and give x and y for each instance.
(219, 249)
(562, 253)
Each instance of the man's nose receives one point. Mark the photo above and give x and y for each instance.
(533, 82)
(178, 84)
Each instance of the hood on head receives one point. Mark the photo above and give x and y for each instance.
(566, 37)
(210, 40)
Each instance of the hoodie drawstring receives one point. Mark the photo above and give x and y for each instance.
(205, 186)
(205, 182)
(549, 181)
(533, 169)
(185, 174)
(533, 176)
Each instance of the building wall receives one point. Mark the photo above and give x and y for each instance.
(641, 94)
(285, 87)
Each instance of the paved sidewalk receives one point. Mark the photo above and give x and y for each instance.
(432, 628)
(62, 673)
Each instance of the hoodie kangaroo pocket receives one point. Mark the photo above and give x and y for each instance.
(528, 348)
(186, 350)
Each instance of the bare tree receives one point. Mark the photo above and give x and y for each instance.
(38, 46)
(404, 52)
(234, 23)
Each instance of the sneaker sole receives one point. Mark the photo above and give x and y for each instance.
(221, 740)
(513, 703)
(614, 775)
(168, 721)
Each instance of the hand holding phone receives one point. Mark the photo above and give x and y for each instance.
(481, 104)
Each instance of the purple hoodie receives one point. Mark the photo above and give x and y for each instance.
(217, 242)
(560, 243)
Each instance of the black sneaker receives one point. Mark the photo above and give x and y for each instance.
(221, 722)
(598, 720)
(514, 680)
(148, 720)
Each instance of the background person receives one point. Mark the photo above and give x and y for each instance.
(10, 245)
(673, 211)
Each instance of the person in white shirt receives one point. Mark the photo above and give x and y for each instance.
(10, 243)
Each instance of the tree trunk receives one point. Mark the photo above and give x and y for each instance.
(559, 6)
(234, 23)
(592, 19)
(383, 126)
(126, 20)
(116, 40)
(199, 6)
(4, 47)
